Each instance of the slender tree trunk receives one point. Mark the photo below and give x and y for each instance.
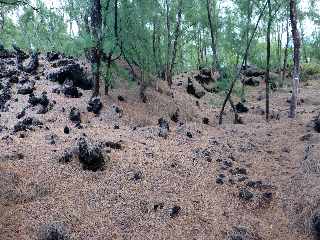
(268, 61)
(305, 57)
(215, 63)
(249, 16)
(228, 96)
(167, 72)
(296, 59)
(96, 26)
(285, 59)
(175, 42)
(154, 50)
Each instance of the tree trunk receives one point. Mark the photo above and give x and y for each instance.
(215, 63)
(96, 27)
(167, 74)
(175, 42)
(268, 61)
(249, 17)
(304, 51)
(229, 92)
(296, 59)
(285, 59)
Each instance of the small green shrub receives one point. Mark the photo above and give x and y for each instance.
(309, 71)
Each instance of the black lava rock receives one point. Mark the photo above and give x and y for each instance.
(74, 115)
(52, 56)
(316, 225)
(175, 116)
(72, 71)
(27, 124)
(121, 99)
(189, 135)
(175, 211)
(317, 125)
(70, 90)
(137, 176)
(66, 130)
(25, 87)
(5, 96)
(219, 180)
(21, 114)
(66, 157)
(90, 155)
(43, 101)
(33, 64)
(245, 194)
(95, 105)
(164, 128)
(241, 108)
(54, 232)
(205, 121)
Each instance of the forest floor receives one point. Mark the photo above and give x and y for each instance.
(204, 181)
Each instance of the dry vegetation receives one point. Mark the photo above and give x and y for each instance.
(250, 181)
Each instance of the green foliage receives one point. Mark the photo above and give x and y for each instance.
(141, 36)
(309, 71)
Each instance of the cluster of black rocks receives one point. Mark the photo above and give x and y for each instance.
(27, 124)
(89, 153)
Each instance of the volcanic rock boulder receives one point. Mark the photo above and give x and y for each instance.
(193, 91)
(19, 52)
(66, 130)
(33, 65)
(164, 128)
(8, 73)
(95, 105)
(90, 155)
(252, 81)
(20, 56)
(69, 90)
(241, 108)
(5, 96)
(205, 121)
(316, 124)
(5, 53)
(21, 114)
(73, 72)
(241, 233)
(25, 86)
(207, 78)
(252, 71)
(175, 116)
(27, 124)
(54, 231)
(74, 115)
(316, 225)
(52, 56)
(174, 212)
(245, 194)
(43, 101)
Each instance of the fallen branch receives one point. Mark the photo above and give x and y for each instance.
(239, 70)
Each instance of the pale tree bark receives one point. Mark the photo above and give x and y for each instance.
(296, 59)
